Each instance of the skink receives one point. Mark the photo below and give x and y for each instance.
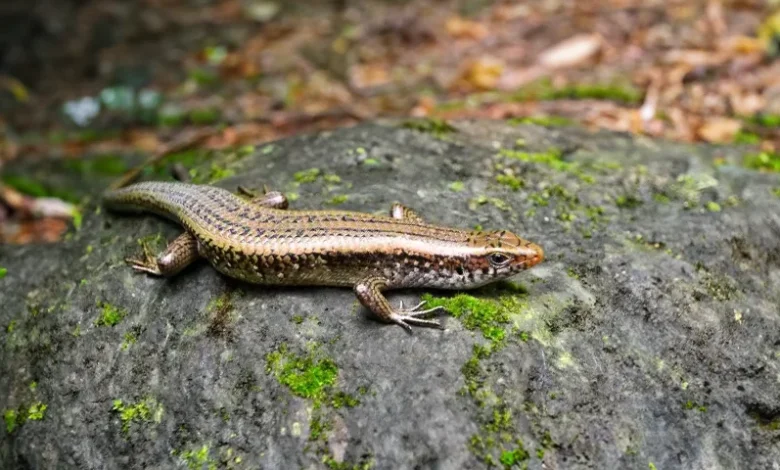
(260, 241)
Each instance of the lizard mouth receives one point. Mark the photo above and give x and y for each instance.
(532, 254)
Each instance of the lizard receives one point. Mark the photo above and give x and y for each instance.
(261, 241)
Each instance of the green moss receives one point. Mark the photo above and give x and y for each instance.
(552, 158)
(130, 339)
(318, 427)
(204, 116)
(513, 182)
(341, 400)
(306, 376)
(764, 161)
(544, 90)
(765, 120)
(747, 138)
(457, 186)
(628, 202)
(437, 127)
(487, 316)
(297, 319)
(547, 121)
(144, 411)
(481, 200)
(11, 420)
(775, 191)
(4, 271)
(366, 463)
(691, 405)
(307, 176)
(510, 458)
(30, 187)
(36, 411)
(109, 165)
(651, 465)
(15, 418)
(713, 206)
(661, 198)
(110, 315)
(199, 459)
(338, 199)
(214, 174)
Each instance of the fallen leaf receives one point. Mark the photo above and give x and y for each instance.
(571, 52)
(719, 129)
(465, 29)
(483, 73)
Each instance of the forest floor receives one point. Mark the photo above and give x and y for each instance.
(114, 77)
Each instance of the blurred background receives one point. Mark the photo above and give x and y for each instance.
(111, 78)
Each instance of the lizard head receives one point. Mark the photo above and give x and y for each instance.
(497, 255)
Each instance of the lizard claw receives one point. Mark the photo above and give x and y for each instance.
(405, 318)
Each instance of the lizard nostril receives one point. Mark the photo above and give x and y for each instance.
(459, 270)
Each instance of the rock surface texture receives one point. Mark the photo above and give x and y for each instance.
(648, 338)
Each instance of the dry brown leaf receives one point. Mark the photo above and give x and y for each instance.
(571, 52)
(483, 73)
(719, 129)
(369, 75)
(465, 29)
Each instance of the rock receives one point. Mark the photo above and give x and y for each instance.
(649, 337)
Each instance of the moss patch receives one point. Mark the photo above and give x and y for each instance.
(144, 411)
(764, 161)
(110, 315)
(4, 271)
(15, 418)
(438, 128)
(497, 443)
(547, 121)
(307, 376)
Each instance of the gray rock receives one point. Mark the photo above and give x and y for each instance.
(649, 337)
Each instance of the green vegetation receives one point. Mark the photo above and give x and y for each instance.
(144, 411)
(15, 418)
(747, 138)
(204, 116)
(306, 376)
(439, 128)
(307, 176)
(109, 165)
(764, 161)
(547, 121)
(30, 187)
(628, 202)
(775, 191)
(510, 180)
(544, 90)
(197, 459)
(552, 158)
(497, 442)
(4, 271)
(110, 315)
(457, 186)
(337, 200)
(713, 206)
(765, 120)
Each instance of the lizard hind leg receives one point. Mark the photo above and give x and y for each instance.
(179, 254)
(270, 199)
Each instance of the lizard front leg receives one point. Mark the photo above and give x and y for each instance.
(179, 254)
(401, 212)
(369, 293)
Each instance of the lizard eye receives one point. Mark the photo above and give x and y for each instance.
(498, 260)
